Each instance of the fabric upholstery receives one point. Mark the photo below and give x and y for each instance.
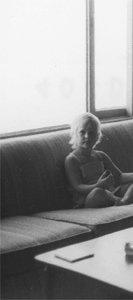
(33, 174)
(90, 216)
(117, 142)
(24, 237)
(36, 204)
(22, 232)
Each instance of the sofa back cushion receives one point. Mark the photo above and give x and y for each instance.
(33, 177)
(33, 174)
(117, 142)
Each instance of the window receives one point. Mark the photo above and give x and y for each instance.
(43, 62)
(61, 57)
(111, 57)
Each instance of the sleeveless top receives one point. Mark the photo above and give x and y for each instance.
(90, 173)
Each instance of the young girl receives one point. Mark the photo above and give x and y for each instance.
(94, 179)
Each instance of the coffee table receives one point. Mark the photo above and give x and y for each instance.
(109, 265)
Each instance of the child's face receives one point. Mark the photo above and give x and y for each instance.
(87, 135)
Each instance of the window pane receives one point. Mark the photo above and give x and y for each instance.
(42, 62)
(110, 53)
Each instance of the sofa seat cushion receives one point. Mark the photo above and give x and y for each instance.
(100, 220)
(24, 237)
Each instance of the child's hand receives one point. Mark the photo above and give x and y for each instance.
(106, 180)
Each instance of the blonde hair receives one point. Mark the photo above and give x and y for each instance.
(85, 117)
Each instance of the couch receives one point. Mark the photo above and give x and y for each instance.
(36, 206)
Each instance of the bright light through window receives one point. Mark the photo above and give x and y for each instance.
(110, 53)
(43, 57)
(43, 62)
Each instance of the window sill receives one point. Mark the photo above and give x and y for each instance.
(59, 128)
